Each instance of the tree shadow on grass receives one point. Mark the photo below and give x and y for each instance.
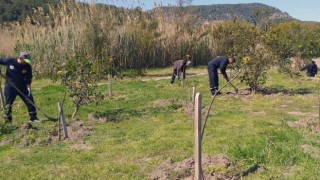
(121, 114)
(118, 115)
(7, 128)
(277, 90)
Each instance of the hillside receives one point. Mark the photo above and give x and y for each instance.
(17, 10)
(252, 12)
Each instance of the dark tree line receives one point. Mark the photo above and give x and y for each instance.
(18, 10)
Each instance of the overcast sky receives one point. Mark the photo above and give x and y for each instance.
(305, 10)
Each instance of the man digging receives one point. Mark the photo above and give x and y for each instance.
(213, 66)
(178, 68)
(18, 83)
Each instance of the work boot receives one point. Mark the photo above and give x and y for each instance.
(7, 121)
(35, 120)
(214, 92)
(218, 92)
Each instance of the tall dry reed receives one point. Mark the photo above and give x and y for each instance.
(132, 38)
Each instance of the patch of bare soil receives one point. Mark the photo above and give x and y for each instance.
(299, 113)
(78, 129)
(94, 117)
(165, 102)
(75, 130)
(188, 108)
(286, 103)
(185, 169)
(240, 92)
(81, 145)
(245, 95)
(259, 113)
(311, 125)
(311, 151)
(26, 140)
(289, 171)
(5, 142)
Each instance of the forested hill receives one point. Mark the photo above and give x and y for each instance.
(252, 12)
(17, 10)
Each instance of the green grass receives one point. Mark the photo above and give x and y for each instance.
(148, 125)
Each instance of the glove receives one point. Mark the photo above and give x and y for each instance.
(29, 92)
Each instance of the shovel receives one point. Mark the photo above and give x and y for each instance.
(235, 89)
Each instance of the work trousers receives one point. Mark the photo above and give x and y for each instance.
(10, 94)
(311, 74)
(175, 73)
(213, 78)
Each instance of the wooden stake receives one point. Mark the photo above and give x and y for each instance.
(63, 121)
(197, 138)
(1, 98)
(193, 94)
(110, 84)
(59, 128)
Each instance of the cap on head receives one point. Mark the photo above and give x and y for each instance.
(188, 63)
(26, 57)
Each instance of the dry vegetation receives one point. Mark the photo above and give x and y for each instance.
(114, 38)
(7, 40)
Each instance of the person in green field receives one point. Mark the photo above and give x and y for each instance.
(213, 66)
(178, 68)
(312, 69)
(18, 83)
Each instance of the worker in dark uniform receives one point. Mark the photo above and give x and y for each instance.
(178, 68)
(312, 69)
(213, 66)
(18, 82)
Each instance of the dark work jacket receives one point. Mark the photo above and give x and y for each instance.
(312, 69)
(19, 74)
(221, 63)
(180, 66)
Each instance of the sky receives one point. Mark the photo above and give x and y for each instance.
(305, 10)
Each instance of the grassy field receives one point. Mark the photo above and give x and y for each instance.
(148, 123)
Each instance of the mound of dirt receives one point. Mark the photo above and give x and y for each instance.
(188, 108)
(94, 117)
(75, 130)
(5, 142)
(311, 151)
(81, 145)
(185, 169)
(165, 102)
(78, 129)
(240, 92)
(312, 125)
